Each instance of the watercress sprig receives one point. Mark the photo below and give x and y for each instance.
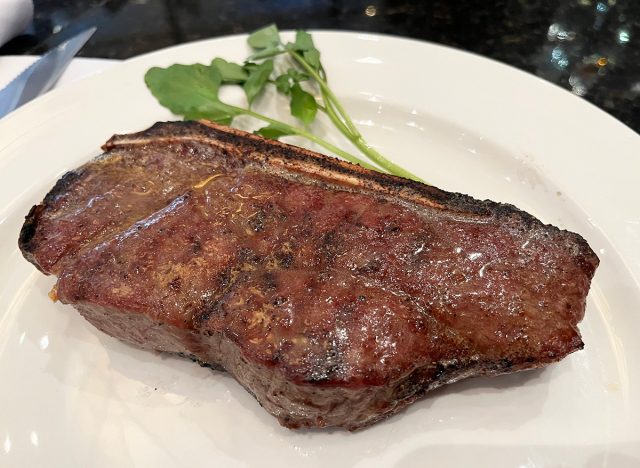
(294, 69)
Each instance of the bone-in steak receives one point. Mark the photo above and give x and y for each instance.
(334, 294)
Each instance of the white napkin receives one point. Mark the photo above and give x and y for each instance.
(15, 16)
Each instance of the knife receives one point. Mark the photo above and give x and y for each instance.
(41, 75)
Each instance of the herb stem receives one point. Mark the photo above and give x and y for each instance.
(327, 91)
(303, 133)
(341, 119)
(329, 109)
(387, 165)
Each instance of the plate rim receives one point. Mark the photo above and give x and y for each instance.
(116, 68)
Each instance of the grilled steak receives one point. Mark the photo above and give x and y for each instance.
(334, 294)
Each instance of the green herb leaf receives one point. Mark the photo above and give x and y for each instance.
(273, 131)
(258, 77)
(296, 75)
(216, 112)
(230, 72)
(265, 37)
(190, 91)
(184, 88)
(286, 80)
(313, 58)
(249, 67)
(283, 84)
(303, 105)
(193, 91)
(303, 42)
(270, 51)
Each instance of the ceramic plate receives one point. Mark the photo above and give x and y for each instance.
(71, 396)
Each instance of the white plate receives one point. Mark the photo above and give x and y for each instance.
(71, 396)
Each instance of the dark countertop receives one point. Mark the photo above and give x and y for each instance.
(591, 47)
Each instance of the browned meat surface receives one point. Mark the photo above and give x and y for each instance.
(334, 294)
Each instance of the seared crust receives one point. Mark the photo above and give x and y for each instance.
(26, 241)
(334, 294)
(27, 233)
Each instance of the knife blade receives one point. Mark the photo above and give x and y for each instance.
(41, 75)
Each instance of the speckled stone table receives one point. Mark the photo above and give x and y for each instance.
(590, 47)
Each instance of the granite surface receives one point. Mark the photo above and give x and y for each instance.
(590, 47)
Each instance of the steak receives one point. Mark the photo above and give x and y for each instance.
(334, 294)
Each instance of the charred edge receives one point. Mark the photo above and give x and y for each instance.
(394, 186)
(62, 186)
(26, 239)
(159, 129)
(505, 212)
(278, 150)
(27, 234)
(586, 258)
(584, 254)
(180, 131)
(209, 365)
